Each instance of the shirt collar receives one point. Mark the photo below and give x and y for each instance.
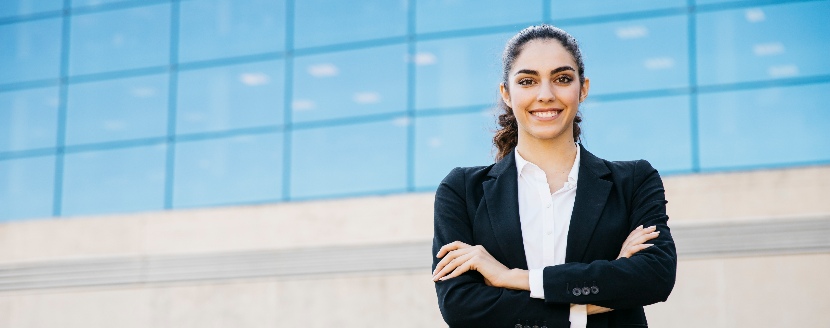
(573, 175)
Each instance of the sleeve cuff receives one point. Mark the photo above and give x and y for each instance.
(579, 315)
(537, 286)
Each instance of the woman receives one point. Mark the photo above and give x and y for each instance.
(549, 235)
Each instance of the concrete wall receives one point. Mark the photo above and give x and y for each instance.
(752, 247)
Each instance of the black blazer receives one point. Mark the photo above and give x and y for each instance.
(479, 206)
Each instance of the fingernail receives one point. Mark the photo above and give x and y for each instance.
(640, 227)
(443, 278)
(649, 245)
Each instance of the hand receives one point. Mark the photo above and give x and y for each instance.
(458, 257)
(596, 309)
(636, 239)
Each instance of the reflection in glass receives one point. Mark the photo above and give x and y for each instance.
(114, 181)
(320, 22)
(562, 9)
(349, 83)
(458, 72)
(349, 159)
(763, 43)
(120, 40)
(26, 188)
(113, 110)
(224, 28)
(241, 169)
(772, 126)
(656, 129)
(637, 64)
(440, 15)
(30, 50)
(443, 142)
(28, 119)
(230, 97)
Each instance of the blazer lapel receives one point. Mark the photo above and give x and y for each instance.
(591, 194)
(501, 194)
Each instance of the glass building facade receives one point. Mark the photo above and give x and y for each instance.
(114, 106)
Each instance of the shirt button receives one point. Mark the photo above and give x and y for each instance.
(549, 232)
(547, 205)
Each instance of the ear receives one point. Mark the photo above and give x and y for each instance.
(583, 93)
(505, 95)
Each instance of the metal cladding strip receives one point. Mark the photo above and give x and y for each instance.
(746, 238)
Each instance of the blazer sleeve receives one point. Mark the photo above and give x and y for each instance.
(466, 301)
(645, 278)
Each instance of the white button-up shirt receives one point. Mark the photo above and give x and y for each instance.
(545, 220)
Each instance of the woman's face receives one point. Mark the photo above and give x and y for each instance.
(544, 91)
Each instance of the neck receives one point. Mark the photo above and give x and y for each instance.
(550, 155)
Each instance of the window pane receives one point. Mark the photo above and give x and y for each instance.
(572, 9)
(83, 3)
(115, 110)
(655, 129)
(764, 43)
(120, 40)
(349, 83)
(114, 181)
(30, 51)
(441, 15)
(28, 119)
(349, 160)
(459, 72)
(765, 127)
(26, 190)
(240, 169)
(648, 54)
(225, 28)
(26, 7)
(320, 22)
(230, 97)
(444, 142)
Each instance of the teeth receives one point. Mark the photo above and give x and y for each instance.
(546, 114)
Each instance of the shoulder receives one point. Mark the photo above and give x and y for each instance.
(460, 177)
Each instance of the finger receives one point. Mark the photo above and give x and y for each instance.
(644, 238)
(632, 238)
(635, 249)
(452, 266)
(463, 267)
(449, 257)
(634, 231)
(450, 247)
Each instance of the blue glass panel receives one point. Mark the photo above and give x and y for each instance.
(81, 3)
(764, 43)
(230, 97)
(26, 7)
(702, 2)
(655, 129)
(442, 15)
(635, 55)
(30, 51)
(26, 190)
(459, 72)
(225, 28)
(113, 181)
(28, 119)
(120, 109)
(352, 159)
(765, 127)
(572, 9)
(349, 83)
(120, 39)
(321, 22)
(443, 142)
(240, 169)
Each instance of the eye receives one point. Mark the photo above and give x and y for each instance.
(563, 79)
(525, 81)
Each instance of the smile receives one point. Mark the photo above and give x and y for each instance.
(546, 114)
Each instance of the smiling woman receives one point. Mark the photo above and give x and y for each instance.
(549, 235)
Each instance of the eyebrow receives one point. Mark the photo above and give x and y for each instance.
(557, 70)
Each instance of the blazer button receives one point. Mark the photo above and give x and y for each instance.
(577, 291)
(595, 290)
(586, 291)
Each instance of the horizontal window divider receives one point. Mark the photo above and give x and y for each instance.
(470, 32)
(93, 9)
(356, 45)
(713, 7)
(80, 148)
(36, 152)
(428, 112)
(371, 193)
(641, 94)
(621, 17)
(33, 84)
(31, 17)
(349, 120)
(227, 61)
(198, 136)
(727, 87)
(95, 77)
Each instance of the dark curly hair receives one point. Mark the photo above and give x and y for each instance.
(507, 136)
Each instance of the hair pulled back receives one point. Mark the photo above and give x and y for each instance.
(507, 136)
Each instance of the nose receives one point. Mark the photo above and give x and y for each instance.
(545, 93)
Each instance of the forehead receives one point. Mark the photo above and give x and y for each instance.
(542, 55)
